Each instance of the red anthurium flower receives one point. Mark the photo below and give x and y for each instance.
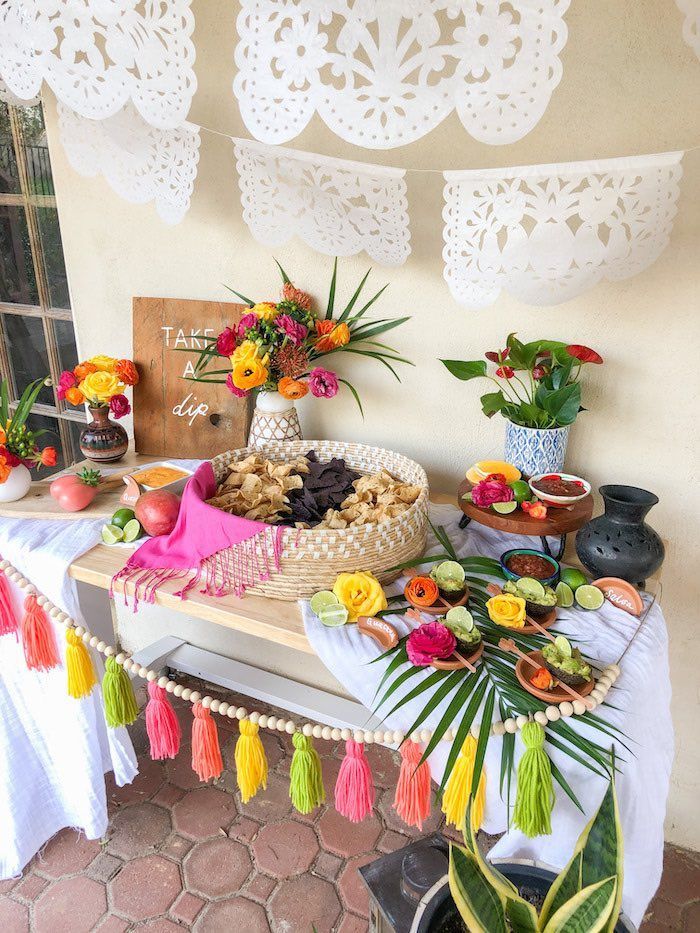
(495, 357)
(539, 372)
(505, 372)
(583, 354)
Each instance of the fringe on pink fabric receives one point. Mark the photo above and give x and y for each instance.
(38, 638)
(354, 789)
(8, 619)
(206, 754)
(412, 799)
(162, 724)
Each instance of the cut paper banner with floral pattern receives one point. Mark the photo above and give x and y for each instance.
(7, 97)
(546, 233)
(382, 73)
(141, 163)
(97, 55)
(337, 207)
(691, 23)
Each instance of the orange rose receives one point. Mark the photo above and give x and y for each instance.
(331, 335)
(3, 436)
(127, 372)
(81, 371)
(75, 396)
(5, 468)
(292, 388)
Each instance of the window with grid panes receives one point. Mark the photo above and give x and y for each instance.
(36, 323)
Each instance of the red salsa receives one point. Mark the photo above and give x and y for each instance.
(557, 486)
(530, 565)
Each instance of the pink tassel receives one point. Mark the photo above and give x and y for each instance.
(162, 724)
(412, 800)
(8, 619)
(38, 638)
(354, 790)
(206, 755)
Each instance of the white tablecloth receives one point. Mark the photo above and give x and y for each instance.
(642, 696)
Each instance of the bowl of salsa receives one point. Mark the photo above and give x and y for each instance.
(559, 488)
(526, 562)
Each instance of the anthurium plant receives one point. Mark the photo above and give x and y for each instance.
(537, 383)
(586, 896)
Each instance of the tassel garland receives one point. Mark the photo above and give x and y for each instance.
(459, 785)
(354, 790)
(306, 784)
(8, 619)
(121, 708)
(81, 671)
(251, 763)
(206, 754)
(162, 725)
(38, 638)
(534, 797)
(412, 800)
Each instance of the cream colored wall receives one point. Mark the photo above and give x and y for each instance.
(630, 85)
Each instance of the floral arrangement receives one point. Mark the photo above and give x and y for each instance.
(503, 496)
(19, 444)
(99, 382)
(278, 345)
(537, 383)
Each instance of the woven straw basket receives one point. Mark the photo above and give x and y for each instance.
(311, 559)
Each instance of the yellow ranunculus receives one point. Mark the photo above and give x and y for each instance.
(101, 387)
(361, 594)
(104, 364)
(250, 373)
(507, 610)
(265, 310)
(248, 350)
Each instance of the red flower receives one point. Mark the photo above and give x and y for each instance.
(497, 357)
(48, 456)
(119, 406)
(583, 354)
(505, 372)
(226, 342)
(12, 459)
(539, 372)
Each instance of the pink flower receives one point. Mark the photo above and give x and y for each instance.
(66, 381)
(429, 641)
(489, 491)
(505, 372)
(323, 383)
(539, 372)
(119, 406)
(234, 390)
(226, 342)
(248, 320)
(292, 329)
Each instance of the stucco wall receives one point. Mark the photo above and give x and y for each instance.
(630, 85)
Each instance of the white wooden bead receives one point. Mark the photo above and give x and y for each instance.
(510, 725)
(231, 712)
(120, 658)
(187, 693)
(475, 729)
(308, 729)
(63, 618)
(86, 637)
(281, 725)
(4, 564)
(170, 686)
(109, 651)
(54, 612)
(254, 717)
(42, 601)
(79, 631)
(316, 731)
(398, 737)
(605, 680)
(596, 695)
(449, 735)
(179, 690)
(272, 722)
(195, 696)
(552, 713)
(566, 709)
(93, 640)
(415, 737)
(291, 728)
(388, 738)
(214, 705)
(223, 709)
(142, 672)
(30, 590)
(521, 720)
(262, 722)
(579, 707)
(16, 577)
(163, 682)
(241, 712)
(151, 676)
(499, 728)
(368, 737)
(345, 734)
(326, 733)
(101, 645)
(205, 701)
(614, 670)
(336, 734)
(425, 735)
(359, 735)
(541, 718)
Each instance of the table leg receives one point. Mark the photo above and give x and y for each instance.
(560, 550)
(464, 521)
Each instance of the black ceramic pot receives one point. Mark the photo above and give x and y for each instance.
(101, 439)
(619, 543)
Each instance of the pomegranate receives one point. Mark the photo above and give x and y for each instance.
(157, 511)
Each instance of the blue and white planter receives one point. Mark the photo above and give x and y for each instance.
(536, 450)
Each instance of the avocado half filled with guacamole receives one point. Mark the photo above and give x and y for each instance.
(461, 623)
(539, 599)
(450, 578)
(566, 662)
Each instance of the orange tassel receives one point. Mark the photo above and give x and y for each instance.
(38, 638)
(412, 800)
(206, 755)
(8, 619)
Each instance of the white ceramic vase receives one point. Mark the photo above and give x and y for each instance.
(17, 484)
(536, 450)
(274, 419)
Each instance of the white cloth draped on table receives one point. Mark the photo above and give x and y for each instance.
(643, 715)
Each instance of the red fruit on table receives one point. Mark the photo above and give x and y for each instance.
(76, 491)
(157, 511)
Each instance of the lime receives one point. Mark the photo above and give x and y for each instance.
(322, 599)
(111, 534)
(460, 617)
(449, 571)
(589, 597)
(333, 615)
(521, 490)
(505, 508)
(573, 578)
(132, 531)
(121, 517)
(565, 595)
(563, 646)
(530, 588)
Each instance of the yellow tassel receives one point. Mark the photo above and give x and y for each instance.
(81, 673)
(459, 784)
(251, 763)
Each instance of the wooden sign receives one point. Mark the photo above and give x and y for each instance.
(172, 416)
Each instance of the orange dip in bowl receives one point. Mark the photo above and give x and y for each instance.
(158, 476)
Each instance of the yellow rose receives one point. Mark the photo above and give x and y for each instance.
(507, 610)
(266, 310)
(250, 373)
(100, 387)
(248, 350)
(103, 364)
(361, 594)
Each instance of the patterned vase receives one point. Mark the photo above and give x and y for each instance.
(102, 440)
(274, 419)
(536, 450)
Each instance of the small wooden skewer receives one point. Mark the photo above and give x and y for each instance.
(540, 628)
(507, 644)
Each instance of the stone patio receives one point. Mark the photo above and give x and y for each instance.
(182, 855)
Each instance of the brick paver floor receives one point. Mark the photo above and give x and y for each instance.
(181, 855)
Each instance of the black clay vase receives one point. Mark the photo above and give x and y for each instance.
(619, 543)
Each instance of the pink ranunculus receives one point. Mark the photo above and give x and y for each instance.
(489, 491)
(248, 320)
(119, 406)
(430, 641)
(292, 329)
(226, 342)
(323, 383)
(233, 389)
(66, 381)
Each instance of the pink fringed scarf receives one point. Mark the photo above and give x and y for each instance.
(225, 553)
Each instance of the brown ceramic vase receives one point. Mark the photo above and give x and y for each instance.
(101, 440)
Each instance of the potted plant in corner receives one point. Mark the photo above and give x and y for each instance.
(538, 392)
(19, 450)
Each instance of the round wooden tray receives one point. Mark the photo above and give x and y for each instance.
(557, 695)
(454, 664)
(439, 610)
(560, 521)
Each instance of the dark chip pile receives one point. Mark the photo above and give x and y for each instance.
(326, 486)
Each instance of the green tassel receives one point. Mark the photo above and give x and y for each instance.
(121, 708)
(306, 785)
(534, 798)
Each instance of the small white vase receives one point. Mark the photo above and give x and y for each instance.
(535, 450)
(17, 484)
(274, 419)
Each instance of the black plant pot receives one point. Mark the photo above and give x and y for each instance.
(619, 543)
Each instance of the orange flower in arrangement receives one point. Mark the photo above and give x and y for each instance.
(5, 468)
(127, 372)
(48, 456)
(75, 396)
(421, 591)
(82, 370)
(331, 335)
(300, 298)
(542, 679)
(292, 388)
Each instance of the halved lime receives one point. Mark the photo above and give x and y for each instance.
(530, 588)
(573, 577)
(449, 571)
(521, 490)
(565, 595)
(121, 517)
(333, 615)
(563, 646)
(505, 508)
(111, 534)
(460, 617)
(322, 599)
(133, 531)
(589, 597)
